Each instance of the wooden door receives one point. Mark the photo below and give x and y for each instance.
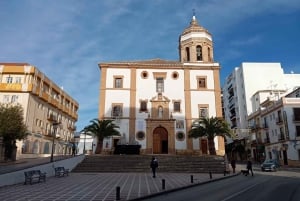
(204, 146)
(156, 143)
(160, 141)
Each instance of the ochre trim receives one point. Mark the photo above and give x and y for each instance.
(102, 93)
(188, 113)
(132, 116)
(159, 75)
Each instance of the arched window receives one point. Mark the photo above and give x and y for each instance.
(187, 51)
(209, 56)
(160, 112)
(199, 53)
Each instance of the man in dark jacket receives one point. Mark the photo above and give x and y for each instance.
(153, 166)
(249, 167)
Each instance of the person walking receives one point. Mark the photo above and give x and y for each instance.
(73, 149)
(249, 167)
(233, 165)
(153, 166)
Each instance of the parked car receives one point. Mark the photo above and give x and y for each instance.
(270, 165)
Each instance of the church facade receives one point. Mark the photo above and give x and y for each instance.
(154, 102)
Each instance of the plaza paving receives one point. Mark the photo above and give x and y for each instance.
(97, 186)
(102, 186)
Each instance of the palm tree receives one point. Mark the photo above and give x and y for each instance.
(101, 129)
(210, 128)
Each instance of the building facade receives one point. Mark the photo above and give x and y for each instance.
(246, 88)
(244, 82)
(154, 102)
(44, 104)
(275, 129)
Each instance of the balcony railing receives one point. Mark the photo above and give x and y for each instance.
(279, 120)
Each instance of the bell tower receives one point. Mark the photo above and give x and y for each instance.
(195, 44)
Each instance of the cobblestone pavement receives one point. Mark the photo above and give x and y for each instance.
(101, 186)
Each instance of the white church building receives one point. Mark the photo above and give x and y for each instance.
(154, 102)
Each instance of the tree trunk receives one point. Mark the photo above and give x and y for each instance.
(99, 147)
(211, 146)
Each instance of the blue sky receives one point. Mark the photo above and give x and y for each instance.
(66, 39)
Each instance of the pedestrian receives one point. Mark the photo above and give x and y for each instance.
(73, 149)
(249, 167)
(233, 165)
(153, 166)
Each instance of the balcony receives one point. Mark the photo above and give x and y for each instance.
(281, 137)
(279, 121)
(51, 117)
(265, 126)
(267, 140)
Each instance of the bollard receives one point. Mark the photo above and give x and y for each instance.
(224, 172)
(163, 184)
(192, 179)
(210, 175)
(118, 193)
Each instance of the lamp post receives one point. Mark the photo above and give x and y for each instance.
(55, 125)
(84, 142)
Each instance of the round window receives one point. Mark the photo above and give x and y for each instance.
(175, 75)
(180, 136)
(144, 74)
(140, 135)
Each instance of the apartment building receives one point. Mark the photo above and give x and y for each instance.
(45, 104)
(275, 128)
(244, 82)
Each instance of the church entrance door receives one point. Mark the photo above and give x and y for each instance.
(160, 141)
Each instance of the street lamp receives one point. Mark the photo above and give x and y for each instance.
(84, 142)
(55, 126)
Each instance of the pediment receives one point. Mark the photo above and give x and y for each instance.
(159, 98)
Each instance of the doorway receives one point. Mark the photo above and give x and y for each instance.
(160, 141)
(204, 146)
(285, 161)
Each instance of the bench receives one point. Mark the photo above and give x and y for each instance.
(34, 176)
(61, 172)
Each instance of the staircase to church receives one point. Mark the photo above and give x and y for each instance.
(141, 163)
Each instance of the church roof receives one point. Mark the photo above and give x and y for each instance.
(156, 61)
(194, 27)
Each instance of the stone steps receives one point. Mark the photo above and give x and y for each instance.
(141, 163)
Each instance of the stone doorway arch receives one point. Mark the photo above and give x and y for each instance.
(160, 141)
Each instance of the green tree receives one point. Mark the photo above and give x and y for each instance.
(210, 128)
(102, 129)
(12, 128)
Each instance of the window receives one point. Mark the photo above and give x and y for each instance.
(298, 131)
(9, 79)
(160, 112)
(159, 85)
(118, 82)
(116, 110)
(6, 98)
(187, 51)
(179, 124)
(14, 98)
(143, 106)
(144, 74)
(296, 114)
(203, 112)
(18, 80)
(176, 106)
(209, 56)
(199, 53)
(201, 82)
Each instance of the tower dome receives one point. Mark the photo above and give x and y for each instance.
(195, 44)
